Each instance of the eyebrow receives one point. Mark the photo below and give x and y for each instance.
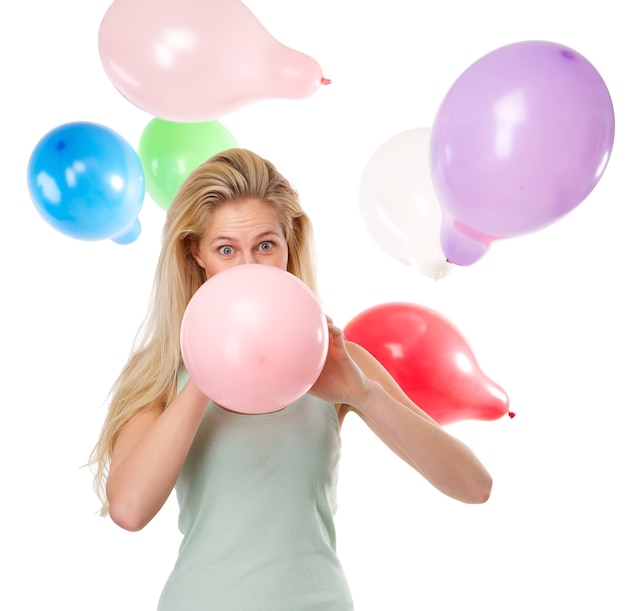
(259, 236)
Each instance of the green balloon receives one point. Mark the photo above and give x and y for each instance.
(169, 151)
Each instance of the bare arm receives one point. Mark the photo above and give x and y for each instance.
(149, 453)
(354, 379)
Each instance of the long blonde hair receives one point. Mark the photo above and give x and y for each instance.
(150, 373)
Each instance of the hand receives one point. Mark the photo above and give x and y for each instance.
(341, 380)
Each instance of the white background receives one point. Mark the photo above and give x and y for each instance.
(543, 313)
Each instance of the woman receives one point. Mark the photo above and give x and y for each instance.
(256, 492)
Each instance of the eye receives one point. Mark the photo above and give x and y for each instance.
(225, 250)
(266, 245)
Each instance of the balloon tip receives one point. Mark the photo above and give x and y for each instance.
(512, 415)
(326, 81)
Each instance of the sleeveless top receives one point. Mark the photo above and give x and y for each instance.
(257, 496)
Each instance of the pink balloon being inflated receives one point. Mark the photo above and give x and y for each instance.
(198, 60)
(520, 139)
(254, 338)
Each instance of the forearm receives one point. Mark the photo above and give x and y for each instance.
(442, 459)
(142, 478)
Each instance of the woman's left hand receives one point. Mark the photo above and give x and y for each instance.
(341, 380)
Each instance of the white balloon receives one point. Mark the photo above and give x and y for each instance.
(399, 204)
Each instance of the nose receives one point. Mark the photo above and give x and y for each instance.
(249, 257)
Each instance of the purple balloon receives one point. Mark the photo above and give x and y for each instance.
(520, 139)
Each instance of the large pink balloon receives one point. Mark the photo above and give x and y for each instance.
(254, 338)
(520, 139)
(197, 60)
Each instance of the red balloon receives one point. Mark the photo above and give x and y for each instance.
(430, 360)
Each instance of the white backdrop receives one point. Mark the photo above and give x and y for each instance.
(544, 315)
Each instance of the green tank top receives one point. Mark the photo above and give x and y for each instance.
(257, 496)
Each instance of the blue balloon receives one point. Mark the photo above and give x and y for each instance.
(88, 183)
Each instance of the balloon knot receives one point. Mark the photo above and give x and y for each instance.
(512, 415)
(326, 81)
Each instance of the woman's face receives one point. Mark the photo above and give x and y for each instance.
(242, 232)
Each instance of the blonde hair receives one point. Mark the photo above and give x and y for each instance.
(150, 373)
